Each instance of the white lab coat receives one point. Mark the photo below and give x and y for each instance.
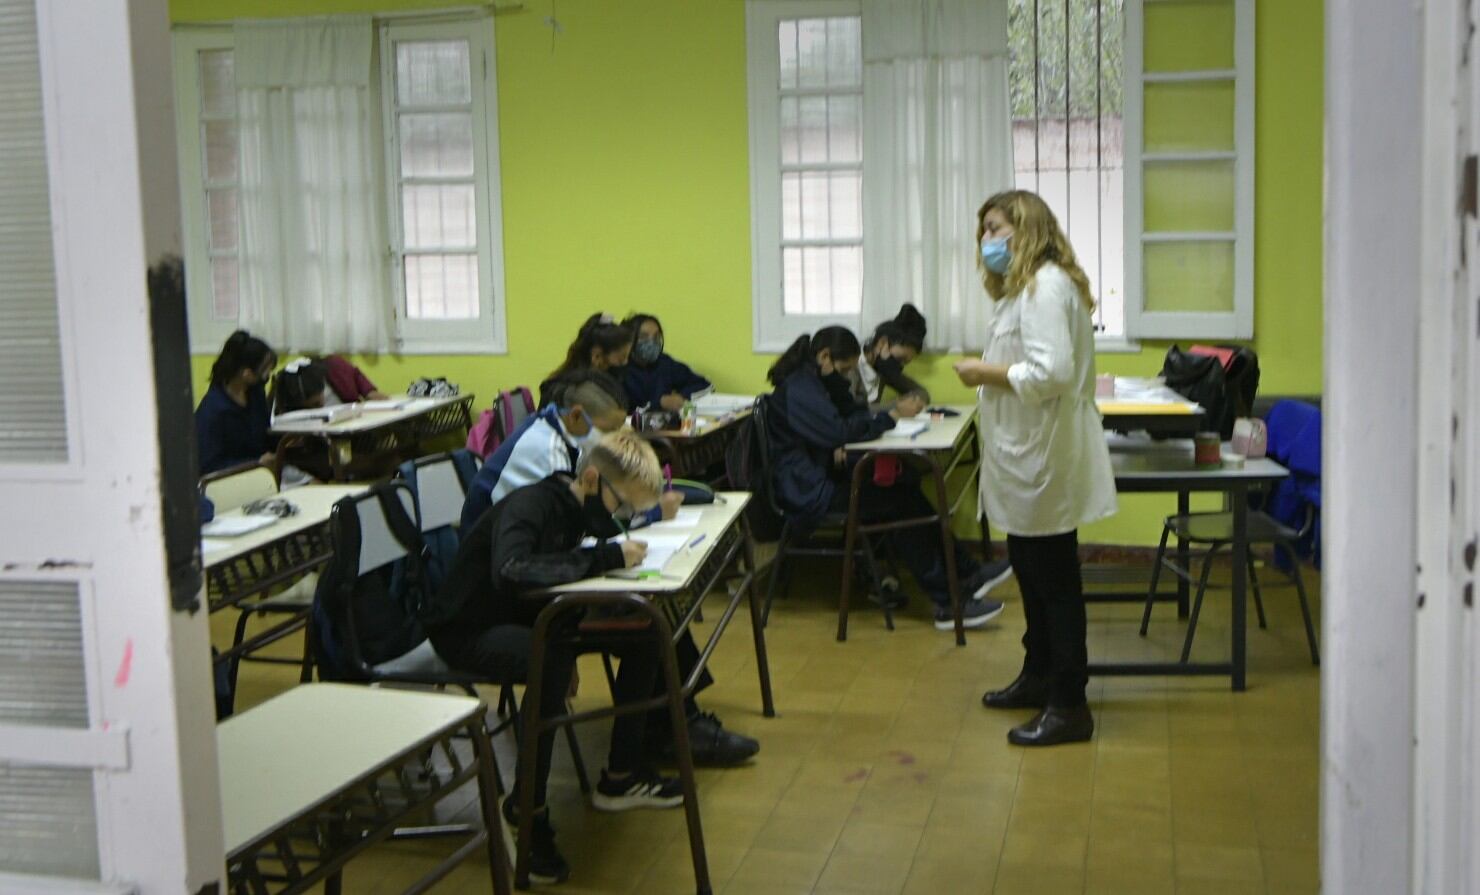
(1045, 466)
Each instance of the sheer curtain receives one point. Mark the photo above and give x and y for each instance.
(313, 262)
(937, 141)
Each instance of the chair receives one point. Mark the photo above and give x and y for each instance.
(368, 545)
(826, 539)
(238, 486)
(1216, 531)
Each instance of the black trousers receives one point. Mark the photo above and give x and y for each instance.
(503, 653)
(919, 546)
(1047, 571)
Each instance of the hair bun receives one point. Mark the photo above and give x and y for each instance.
(909, 317)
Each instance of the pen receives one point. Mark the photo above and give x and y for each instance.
(694, 543)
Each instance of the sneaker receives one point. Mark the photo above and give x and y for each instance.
(644, 788)
(987, 576)
(546, 865)
(974, 614)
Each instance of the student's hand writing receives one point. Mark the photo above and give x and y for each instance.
(633, 553)
(670, 502)
(674, 401)
(907, 406)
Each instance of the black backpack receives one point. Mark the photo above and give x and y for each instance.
(1225, 393)
(748, 468)
(386, 602)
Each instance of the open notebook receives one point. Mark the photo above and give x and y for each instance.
(908, 428)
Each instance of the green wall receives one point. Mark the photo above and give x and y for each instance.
(626, 187)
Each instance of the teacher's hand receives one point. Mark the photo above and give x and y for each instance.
(971, 371)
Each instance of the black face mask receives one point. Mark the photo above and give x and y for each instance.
(599, 521)
(888, 365)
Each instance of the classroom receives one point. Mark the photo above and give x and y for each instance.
(739, 446)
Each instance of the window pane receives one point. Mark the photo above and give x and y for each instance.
(1189, 35)
(844, 136)
(811, 52)
(1182, 117)
(813, 128)
(814, 206)
(217, 83)
(433, 72)
(439, 217)
(845, 203)
(792, 291)
(847, 279)
(442, 287)
(791, 137)
(42, 679)
(224, 288)
(1189, 196)
(48, 821)
(437, 145)
(222, 209)
(791, 206)
(822, 280)
(1188, 276)
(221, 151)
(822, 205)
(786, 40)
(816, 281)
(844, 53)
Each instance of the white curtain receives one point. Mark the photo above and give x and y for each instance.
(313, 263)
(937, 141)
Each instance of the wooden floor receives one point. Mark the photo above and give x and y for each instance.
(884, 774)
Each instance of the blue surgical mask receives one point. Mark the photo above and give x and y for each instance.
(593, 434)
(647, 351)
(996, 255)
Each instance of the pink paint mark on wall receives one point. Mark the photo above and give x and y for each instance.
(126, 665)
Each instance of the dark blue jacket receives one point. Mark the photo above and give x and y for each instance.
(647, 385)
(807, 422)
(228, 434)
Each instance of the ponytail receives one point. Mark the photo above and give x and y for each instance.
(241, 351)
(599, 331)
(839, 341)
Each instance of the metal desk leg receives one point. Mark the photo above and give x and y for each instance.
(1184, 558)
(488, 792)
(850, 543)
(757, 628)
(1240, 497)
(679, 722)
(948, 545)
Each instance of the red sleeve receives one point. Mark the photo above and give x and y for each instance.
(346, 379)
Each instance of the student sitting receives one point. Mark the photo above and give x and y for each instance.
(302, 384)
(232, 420)
(583, 406)
(602, 345)
(348, 383)
(552, 442)
(480, 619)
(653, 379)
(812, 417)
(894, 344)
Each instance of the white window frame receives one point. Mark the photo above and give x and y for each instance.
(772, 328)
(486, 335)
(207, 333)
(1139, 322)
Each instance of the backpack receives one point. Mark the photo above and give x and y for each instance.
(440, 544)
(493, 426)
(385, 614)
(432, 388)
(1223, 380)
(748, 468)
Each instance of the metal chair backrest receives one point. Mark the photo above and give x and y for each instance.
(379, 545)
(232, 488)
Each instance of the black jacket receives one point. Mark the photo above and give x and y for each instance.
(527, 541)
(809, 419)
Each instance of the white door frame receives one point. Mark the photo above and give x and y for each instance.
(98, 519)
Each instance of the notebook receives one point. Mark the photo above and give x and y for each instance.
(907, 428)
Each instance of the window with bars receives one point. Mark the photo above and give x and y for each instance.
(1067, 97)
(439, 112)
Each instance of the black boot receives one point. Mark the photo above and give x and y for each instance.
(1029, 691)
(1053, 726)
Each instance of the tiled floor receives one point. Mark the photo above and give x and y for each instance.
(884, 774)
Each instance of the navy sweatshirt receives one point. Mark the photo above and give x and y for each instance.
(647, 385)
(228, 434)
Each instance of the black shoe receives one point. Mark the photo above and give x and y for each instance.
(973, 615)
(1029, 691)
(643, 788)
(987, 576)
(546, 865)
(887, 594)
(1053, 726)
(709, 743)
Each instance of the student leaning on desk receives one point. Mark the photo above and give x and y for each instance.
(1045, 468)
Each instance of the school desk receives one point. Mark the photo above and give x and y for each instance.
(662, 607)
(1149, 405)
(315, 776)
(374, 442)
(945, 446)
(693, 454)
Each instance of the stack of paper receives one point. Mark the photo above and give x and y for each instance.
(719, 404)
(332, 414)
(908, 428)
(386, 404)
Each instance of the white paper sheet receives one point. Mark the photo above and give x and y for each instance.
(907, 428)
(235, 526)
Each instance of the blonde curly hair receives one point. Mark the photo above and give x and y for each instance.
(1036, 240)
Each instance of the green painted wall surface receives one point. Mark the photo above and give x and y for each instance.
(626, 187)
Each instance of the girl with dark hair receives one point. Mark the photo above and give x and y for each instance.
(653, 379)
(302, 384)
(602, 344)
(894, 344)
(811, 417)
(232, 419)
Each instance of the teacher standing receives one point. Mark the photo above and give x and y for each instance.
(1046, 469)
